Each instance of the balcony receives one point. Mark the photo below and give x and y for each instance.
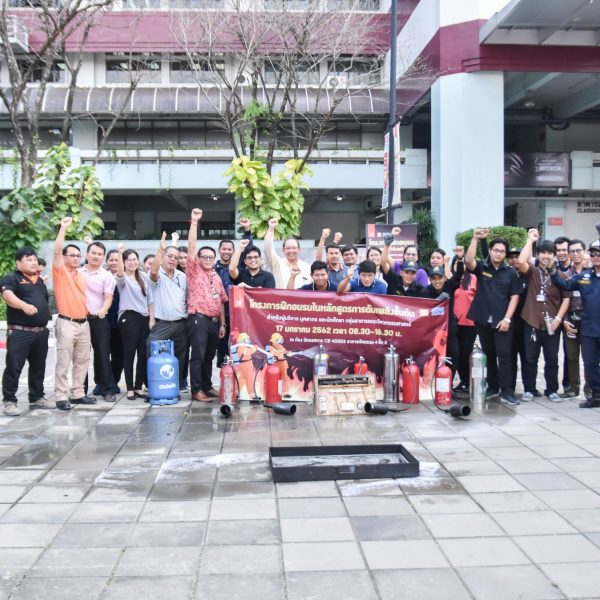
(18, 36)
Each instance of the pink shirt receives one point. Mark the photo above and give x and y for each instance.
(97, 283)
(205, 290)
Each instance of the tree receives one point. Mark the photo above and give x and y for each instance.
(282, 74)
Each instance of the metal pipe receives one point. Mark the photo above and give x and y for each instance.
(392, 113)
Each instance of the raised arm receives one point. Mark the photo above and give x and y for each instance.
(193, 231)
(321, 245)
(533, 235)
(234, 272)
(478, 234)
(294, 272)
(155, 267)
(344, 284)
(120, 265)
(269, 246)
(59, 242)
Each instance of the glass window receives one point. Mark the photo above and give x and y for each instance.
(123, 68)
(367, 5)
(192, 134)
(165, 134)
(195, 69)
(57, 73)
(304, 72)
(357, 71)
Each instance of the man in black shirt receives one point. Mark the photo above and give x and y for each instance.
(320, 277)
(252, 275)
(26, 297)
(492, 310)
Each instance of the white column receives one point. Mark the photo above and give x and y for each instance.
(467, 153)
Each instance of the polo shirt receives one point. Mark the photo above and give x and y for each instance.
(310, 287)
(495, 287)
(422, 277)
(97, 284)
(263, 279)
(336, 276)
(31, 290)
(69, 292)
(395, 286)
(533, 309)
(377, 287)
(168, 294)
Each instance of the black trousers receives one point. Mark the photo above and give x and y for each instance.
(535, 340)
(116, 353)
(103, 375)
(497, 346)
(466, 339)
(204, 336)
(176, 331)
(452, 348)
(134, 333)
(223, 344)
(518, 351)
(21, 346)
(590, 348)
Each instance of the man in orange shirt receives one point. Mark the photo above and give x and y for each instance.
(72, 328)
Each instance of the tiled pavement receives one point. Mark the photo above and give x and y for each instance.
(126, 501)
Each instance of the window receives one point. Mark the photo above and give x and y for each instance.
(366, 5)
(357, 71)
(123, 68)
(289, 4)
(195, 69)
(304, 72)
(208, 230)
(57, 73)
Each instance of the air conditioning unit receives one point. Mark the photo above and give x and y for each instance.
(337, 81)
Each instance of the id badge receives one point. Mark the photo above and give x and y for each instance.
(215, 295)
(541, 297)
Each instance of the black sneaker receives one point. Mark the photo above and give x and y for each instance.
(108, 398)
(489, 393)
(461, 389)
(509, 398)
(83, 400)
(590, 404)
(63, 405)
(537, 394)
(570, 394)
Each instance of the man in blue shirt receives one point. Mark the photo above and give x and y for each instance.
(366, 281)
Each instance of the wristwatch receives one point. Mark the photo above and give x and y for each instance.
(507, 320)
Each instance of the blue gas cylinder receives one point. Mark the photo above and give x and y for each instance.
(163, 373)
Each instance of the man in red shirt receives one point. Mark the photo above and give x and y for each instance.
(206, 312)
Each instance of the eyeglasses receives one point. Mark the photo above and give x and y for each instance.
(498, 251)
(576, 251)
(254, 257)
(206, 257)
(73, 255)
(594, 254)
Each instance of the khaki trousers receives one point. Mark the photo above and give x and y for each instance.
(73, 344)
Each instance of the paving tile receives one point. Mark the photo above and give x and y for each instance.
(342, 585)
(582, 499)
(107, 512)
(262, 531)
(167, 512)
(16, 477)
(549, 481)
(11, 493)
(36, 513)
(251, 489)
(94, 535)
(167, 534)
(322, 556)
(558, 548)
(404, 527)
(407, 584)
(17, 560)
(307, 489)
(159, 561)
(370, 487)
(143, 588)
(462, 525)
(264, 586)
(60, 588)
(561, 451)
(509, 502)
(184, 491)
(403, 554)
(479, 552)
(533, 523)
(473, 467)
(513, 453)
(24, 535)
(583, 520)
(335, 529)
(292, 508)
(490, 483)
(377, 506)
(528, 465)
(575, 580)
(571, 465)
(227, 509)
(589, 478)
(507, 583)
(87, 562)
(55, 493)
(443, 504)
(241, 559)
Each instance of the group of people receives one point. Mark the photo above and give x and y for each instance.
(518, 301)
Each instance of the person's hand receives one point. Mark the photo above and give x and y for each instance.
(196, 215)
(396, 231)
(87, 239)
(350, 272)
(388, 239)
(570, 328)
(65, 222)
(174, 238)
(245, 224)
(163, 241)
(446, 259)
(30, 310)
(337, 237)
(556, 324)
(121, 248)
(273, 223)
(480, 233)
(295, 270)
(325, 233)
(244, 244)
(503, 326)
(222, 331)
(101, 314)
(459, 251)
(242, 285)
(533, 235)
(151, 323)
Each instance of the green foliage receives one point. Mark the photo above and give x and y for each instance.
(30, 215)
(263, 197)
(516, 236)
(2, 311)
(426, 234)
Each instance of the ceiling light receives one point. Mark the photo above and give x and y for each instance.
(529, 101)
(339, 197)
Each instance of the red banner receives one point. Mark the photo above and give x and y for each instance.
(288, 327)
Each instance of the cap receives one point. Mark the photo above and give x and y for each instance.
(514, 250)
(410, 265)
(437, 271)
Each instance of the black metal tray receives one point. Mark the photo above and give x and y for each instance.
(320, 463)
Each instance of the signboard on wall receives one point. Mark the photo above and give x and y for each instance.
(536, 169)
(374, 237)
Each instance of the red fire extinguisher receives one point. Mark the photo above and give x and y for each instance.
(411, 376)
(443, 384)
(360, 367)
(229, 393)
(273, 385)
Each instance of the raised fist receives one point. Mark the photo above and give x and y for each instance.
(533, 234)
(480, 233)
(87, 239)
(325, 233)
(273, 223)
(244, 244)
(295, 270)
(337, 237)
(66, 222)
(245, 223)
(396, 231)
(121, 248)
(163, 241)
(196, 215)
(459, 251)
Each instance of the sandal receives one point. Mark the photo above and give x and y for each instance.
(140, 394)
(130, 395)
